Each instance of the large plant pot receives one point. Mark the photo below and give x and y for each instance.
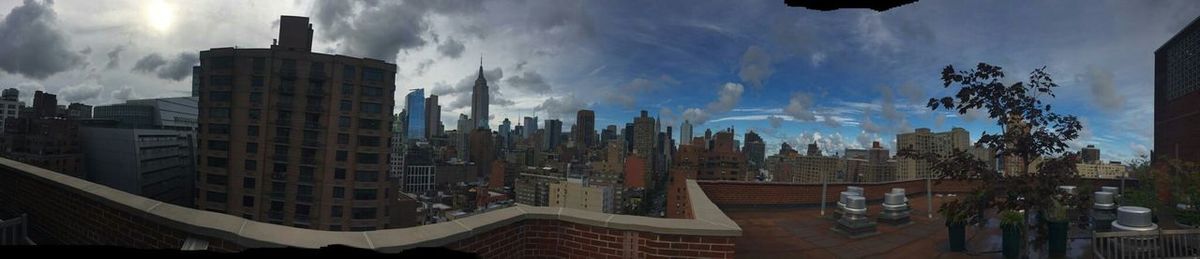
(1058, 238)
(958, 237)
(1012, 241)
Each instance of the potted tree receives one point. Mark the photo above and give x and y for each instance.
(1013, 224)
(957, 216)
(1058, 224)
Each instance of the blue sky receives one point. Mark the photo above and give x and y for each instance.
(841, 78)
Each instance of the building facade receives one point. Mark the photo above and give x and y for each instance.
(575, 193)
(275, 148)
(1176, 93)
(925, 141)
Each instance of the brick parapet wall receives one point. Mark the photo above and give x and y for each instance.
(69, 211)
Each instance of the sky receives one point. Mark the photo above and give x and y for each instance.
(841, 78)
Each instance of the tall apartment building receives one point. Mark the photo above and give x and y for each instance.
(419, 169)
(433, 116)
(533, 184)
(1176, 93)
(922, 141)
(1090, 154)
(755, 149)
(279, 143)
(643, 144)
(875, 166)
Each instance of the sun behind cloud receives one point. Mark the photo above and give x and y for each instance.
(159, 15)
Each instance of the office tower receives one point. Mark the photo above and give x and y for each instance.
(462, 137)
(755, 149)
(1176, 115)
(10, 105)
(415, 107)
(627, 133)
(585, 132)
(552, 136)
(643, 143)
(479, 101)
(419, 169)
(41, 138)
(1091, 155)
(685, 133)
(433, 116)
(10, 94)
(275, 147)
(608, 134)
(506, 134)
(151, 156)
(531, 126)
(924, 141)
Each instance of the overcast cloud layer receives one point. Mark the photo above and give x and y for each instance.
(841, 79)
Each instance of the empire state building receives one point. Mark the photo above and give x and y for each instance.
(479, 101)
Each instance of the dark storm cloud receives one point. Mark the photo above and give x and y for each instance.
(175, 69)
(529, 81)
(451, 48)
(114, 57)
(37, 47)
(563, 107)
(382, 29)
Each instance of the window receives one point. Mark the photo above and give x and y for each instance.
(372, 74)
(316, 68)
(302, 209)
(260, 64)
(366, 158)
(217, 179)
(255, 114)
(251, 148)
(370, 107)
(343, 139)
(279, 168)
(343, 122)
(247, 201)
(282, 132)
(304, 193)
(220, 96)
(368, 141)
(372, 91)
(277, 205)
(339, 173)
(218, 145)
(222, 129)
(362, 213)
(366, 176)
(218, 113)
(216, 80)
(257, 81)
(248, 183)
(306, 174)
(222, 62)
(341, 155)
(339, 193)
(365, 194)
(348, 90)
(368, 124)
(348, 73)
(252, 131)
(217, 162)
(251, 165)
(219, 197)
(335, 211)
(347, 105)
(255, 97)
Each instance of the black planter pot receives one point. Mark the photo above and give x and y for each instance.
(958, 237)
(1012, 241)
(1058, 237)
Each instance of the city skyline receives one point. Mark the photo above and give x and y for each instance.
(579, 55)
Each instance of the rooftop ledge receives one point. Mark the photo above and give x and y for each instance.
(708, 221)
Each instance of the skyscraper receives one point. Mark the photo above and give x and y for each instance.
(275, 148)
(553, 135)
(505, 134)
(415, 106)
(531, 126)
(643, 142)
(433, 116)
(479, 101)
(685, 133)
(1176, 93)
(755, 149)
(585, 122)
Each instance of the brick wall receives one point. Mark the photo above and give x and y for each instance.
(768, 194)
(560, 239)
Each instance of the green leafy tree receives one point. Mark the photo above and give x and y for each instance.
(1032, 132)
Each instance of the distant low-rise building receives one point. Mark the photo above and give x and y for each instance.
(1112, 170)
(575, 193)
